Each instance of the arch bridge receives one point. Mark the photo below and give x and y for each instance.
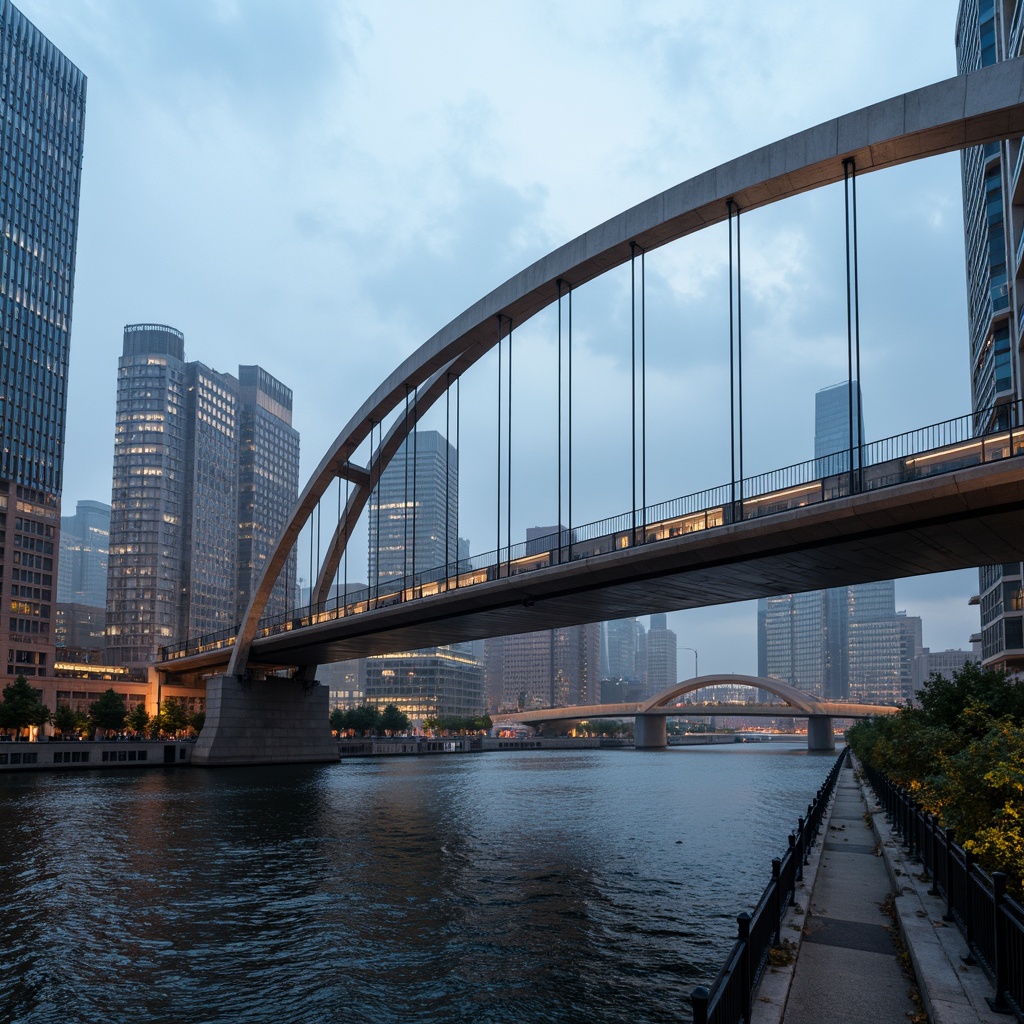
(946, 497)
(650, 715)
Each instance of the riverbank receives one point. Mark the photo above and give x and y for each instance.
(69, 755)
(840, 933)
(66, 755)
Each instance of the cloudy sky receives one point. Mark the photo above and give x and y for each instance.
(319, 187)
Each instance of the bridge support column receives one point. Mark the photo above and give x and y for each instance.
(650, 732)
(819, 733)
(264, 721)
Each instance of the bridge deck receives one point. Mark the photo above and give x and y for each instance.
(971, 517)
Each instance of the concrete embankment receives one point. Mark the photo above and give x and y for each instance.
(70, 755)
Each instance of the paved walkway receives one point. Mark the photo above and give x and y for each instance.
(846, 967)
(847, 970)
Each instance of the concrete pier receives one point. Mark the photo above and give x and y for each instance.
(650, 732)
(820, 734)
(265, 721)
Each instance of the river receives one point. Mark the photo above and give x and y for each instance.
(541, 886)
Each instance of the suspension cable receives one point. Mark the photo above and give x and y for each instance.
(558, 284)
(632, 389)
(497, 532)
(508, 486)
(569, 509)
(849, 171)
(732, 376)
(415, 459)
(643, 391)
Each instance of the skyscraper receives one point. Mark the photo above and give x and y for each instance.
(42, 118)
(82, 579)
(84, 542)
(413, 527)
(662, 672)
(545, 668)
(415, 508)
(268, 482)
(832, 643)
(837, 409)
(993, 230)
(175, 535)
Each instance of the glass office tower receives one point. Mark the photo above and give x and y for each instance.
(206, 469)
(42, 117)
(988, 31)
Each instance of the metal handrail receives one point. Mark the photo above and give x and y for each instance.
(884, 463)
(991, 922)
(728, 999)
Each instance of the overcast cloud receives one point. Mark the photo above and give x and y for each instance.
(319, 187)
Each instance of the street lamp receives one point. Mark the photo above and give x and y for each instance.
(696, 662)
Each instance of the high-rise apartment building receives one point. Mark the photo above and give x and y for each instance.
(268, 482)
(838, 427)
(413, 527)
(662, 672)
(175, 529)
(42, 119)
(846, 642)
(84, 542)
(82, 580)
(546, 668)
(415, 510)
(987, 32)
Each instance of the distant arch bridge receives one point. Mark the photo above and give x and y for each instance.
(650, 730)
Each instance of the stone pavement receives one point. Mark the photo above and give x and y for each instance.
(845, 968)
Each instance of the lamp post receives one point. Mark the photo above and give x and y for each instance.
(696, 662)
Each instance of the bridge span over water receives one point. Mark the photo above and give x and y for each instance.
(650, 715)
(943, 497)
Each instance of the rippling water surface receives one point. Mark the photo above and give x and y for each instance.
(523, 886)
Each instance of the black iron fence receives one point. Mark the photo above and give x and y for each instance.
(727, 1000)
(991, 922)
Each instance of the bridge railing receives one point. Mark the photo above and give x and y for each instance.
(728, 999)
(945, 447)
(991, 922)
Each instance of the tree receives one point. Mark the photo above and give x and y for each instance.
(197, 721)
(961, 754)
(339, 721)
(21, 707)
(173, 716)
(110, 712)
(67, 721)
(392, 721)
(365, 719)
(138, 719)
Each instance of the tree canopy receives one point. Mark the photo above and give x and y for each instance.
(960, 752)
(21, 707)
(110, 712)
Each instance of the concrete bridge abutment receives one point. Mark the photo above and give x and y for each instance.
(650, 732)
(265, 721)
(820, 734)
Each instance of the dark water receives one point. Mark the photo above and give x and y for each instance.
(525, 886)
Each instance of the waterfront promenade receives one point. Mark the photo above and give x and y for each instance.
(847, 964)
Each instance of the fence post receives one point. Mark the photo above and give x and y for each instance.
(699, 1004)
(998, 1003)
(776, 900)
(798, 866)
(949, 833)
(804, 855)
(746, 982)
(968, 916)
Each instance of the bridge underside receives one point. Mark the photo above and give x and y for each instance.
(961, 520)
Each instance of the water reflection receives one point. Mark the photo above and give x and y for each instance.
(529, 886)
